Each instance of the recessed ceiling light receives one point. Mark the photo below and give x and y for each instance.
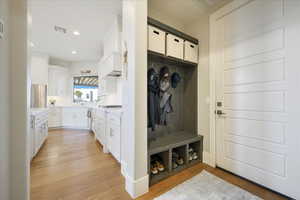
(74, 52)
(31, 44)
(76, 33)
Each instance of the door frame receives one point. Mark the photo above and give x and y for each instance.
(213, 56)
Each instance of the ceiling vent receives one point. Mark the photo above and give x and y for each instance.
(1, 28)
(60, 29)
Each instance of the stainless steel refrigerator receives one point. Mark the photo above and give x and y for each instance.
(38, 96)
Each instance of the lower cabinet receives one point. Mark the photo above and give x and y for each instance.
(69, 117)
(99, 124)
(39, 132)
(55, 117)
(73, 117)
(114, 136)
(106, 126)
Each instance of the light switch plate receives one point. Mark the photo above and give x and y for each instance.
(1, 28)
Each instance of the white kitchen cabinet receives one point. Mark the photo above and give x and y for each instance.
(58, 81)
(75, 117)
(190, 52)
(175, 46)
(110, 66)
(156, 40)
(55, 117)
(99, 125)
(93, 120)
(69, 117)
(107, 129)
(111, 62)
(114, 135)
(39, 69)
(112, 38)
(39, 131)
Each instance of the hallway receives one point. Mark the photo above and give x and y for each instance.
(71, 165)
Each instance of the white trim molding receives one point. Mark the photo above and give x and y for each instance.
(123, 168)
(207, 159)
(138, 187)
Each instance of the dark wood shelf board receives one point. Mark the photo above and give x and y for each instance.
(178, 169)
(170, 60)
(194, 162)
(172, 140)
(169, 29)
(158, 177)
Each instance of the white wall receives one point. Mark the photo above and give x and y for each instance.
(200, 30)
(39, 69)
(19, 102)
(162, 17)
(4, 106)
(134, 126)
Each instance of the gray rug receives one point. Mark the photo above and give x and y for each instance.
(206, 186)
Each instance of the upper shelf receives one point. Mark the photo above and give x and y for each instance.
(171, 30)
(170, 60)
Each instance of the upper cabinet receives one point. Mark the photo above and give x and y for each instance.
(110, 64)
(58, 81)
(39, 69)
(167, 41)
(112, 38)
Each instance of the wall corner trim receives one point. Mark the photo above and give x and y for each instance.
(138, 187)
(207, 159)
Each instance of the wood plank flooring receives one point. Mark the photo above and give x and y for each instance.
(72, 166)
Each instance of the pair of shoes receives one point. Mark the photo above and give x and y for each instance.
(156, 165)
(176, 159)
(192, 154)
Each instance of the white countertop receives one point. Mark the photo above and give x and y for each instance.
(35, 111)
(105, 108)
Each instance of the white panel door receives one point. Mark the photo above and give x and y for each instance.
(256, 49)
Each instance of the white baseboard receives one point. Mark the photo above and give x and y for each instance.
(136, 188)
(123, 169)
(207, 158)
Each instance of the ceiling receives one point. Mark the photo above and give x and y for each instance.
(90, 17)
(184, 11)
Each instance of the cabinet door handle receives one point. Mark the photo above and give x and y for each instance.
(111, 132)
(156, 32)
(192, 46)
(176, 40)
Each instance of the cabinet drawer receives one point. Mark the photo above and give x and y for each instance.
(190, 52)
(174, 46)
(156, 40)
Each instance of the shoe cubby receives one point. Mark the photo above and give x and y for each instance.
(164, 147)
(194, 152)
(179, 158)
(159, 166)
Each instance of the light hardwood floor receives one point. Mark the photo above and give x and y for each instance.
(72, 166)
